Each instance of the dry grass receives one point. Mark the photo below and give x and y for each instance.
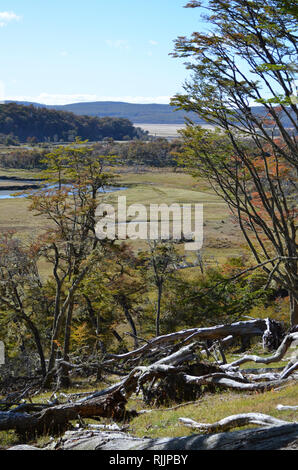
(163, 422)
(221, 238)
(213, 407)
(15, 215)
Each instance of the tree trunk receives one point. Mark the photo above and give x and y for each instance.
(64, 380)
(39, 347)
(56, 418)
(53, 353)
(157, 327)
(293, 310)
(124, 305)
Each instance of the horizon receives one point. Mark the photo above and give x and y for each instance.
(82, 102)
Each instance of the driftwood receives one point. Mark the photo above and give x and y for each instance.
(234, 421)
(286, 407)
(179, 369)
(241, 328)
(55, 419)
(277, 356)
(280, 437)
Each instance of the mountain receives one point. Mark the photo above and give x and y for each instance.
(136, 113)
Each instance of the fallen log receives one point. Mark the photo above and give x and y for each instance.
(277, 356)
(176, 371)
(233, 421)
(224, 381)
(241, 328)
(286, 407)
(143, 373)
(56, 418)
(280, 437)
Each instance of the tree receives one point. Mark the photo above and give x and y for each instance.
(252, 160)
(113, 292)
(70, 244)
(160, 263)
(211, 297)
(22, 299)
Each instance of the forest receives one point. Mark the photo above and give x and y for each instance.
(32, 124)
(159, 153)
(139, 344)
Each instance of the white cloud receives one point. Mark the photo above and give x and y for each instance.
(48, 98)
(153, 43)
(8, 16)
(117, 43)
(60, 99)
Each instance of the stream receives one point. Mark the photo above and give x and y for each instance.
(11, 187)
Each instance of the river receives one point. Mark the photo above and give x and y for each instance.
(12, 186)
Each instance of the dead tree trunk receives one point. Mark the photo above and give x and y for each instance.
(234, 421)
(241, 328)
(293, 310)
(56, 418)
(280, 437)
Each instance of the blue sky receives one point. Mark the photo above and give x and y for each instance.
(63, 51)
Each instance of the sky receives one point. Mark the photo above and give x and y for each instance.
(66, 51)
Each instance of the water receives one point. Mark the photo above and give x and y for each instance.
(9, 194)
(4, 194)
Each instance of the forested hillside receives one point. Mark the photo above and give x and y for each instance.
(152, 113)
(31, 123)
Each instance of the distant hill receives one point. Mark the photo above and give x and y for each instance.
(137, 113)
(44, 124)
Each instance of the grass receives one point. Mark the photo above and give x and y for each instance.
(213, 407)
(221, 238)
(165, 423)
(15, 215)
(19, 173)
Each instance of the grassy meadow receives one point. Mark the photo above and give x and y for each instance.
(221, 237)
